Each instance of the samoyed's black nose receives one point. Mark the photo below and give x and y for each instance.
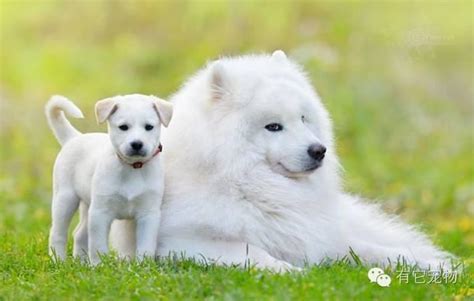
(136, 145)
(317, 151)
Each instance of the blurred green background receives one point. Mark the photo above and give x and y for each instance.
(397, 78)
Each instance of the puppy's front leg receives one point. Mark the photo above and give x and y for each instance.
(147, 234)
(98, 228)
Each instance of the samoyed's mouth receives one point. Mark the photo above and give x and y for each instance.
(283, 170)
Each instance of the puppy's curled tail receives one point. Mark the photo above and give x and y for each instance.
(62, 129)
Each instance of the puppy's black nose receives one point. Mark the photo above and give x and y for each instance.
(317, 151)
(136, 145)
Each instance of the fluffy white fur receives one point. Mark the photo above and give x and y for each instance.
(236, 192)
(94, 171)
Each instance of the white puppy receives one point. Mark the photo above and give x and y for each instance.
(115, 176)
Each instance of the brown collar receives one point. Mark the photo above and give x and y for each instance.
(138, 165)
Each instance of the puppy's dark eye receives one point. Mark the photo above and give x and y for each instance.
(274, 127)
(123, 127)
(148, 127)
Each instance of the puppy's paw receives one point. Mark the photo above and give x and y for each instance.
(143, 255)
(57, 254)
(82, 256)
(94, 260)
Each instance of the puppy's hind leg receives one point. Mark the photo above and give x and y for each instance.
(64, 205)
(80, 233)
(123, 238)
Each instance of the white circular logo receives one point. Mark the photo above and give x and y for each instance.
(384, 280)
(377, 275)
(374, 273)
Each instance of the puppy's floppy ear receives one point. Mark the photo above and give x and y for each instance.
(279, 55)
(219, 82)
(164, 110)
(104, 108)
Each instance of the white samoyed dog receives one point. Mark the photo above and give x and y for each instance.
(252, 175)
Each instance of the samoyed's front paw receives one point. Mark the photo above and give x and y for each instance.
(284, 267)
(263, 260)
(278, 266)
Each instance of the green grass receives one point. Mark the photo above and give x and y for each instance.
(395, 76)
(33, 276)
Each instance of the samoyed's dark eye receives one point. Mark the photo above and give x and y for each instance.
(274, 127)
(148, 127)
(123, 127)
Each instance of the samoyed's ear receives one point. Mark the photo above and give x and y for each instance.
(279, 55)
(104, 108)
(164, 110)
(219, 82)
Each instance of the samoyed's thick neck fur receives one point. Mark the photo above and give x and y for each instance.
(212, 109)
